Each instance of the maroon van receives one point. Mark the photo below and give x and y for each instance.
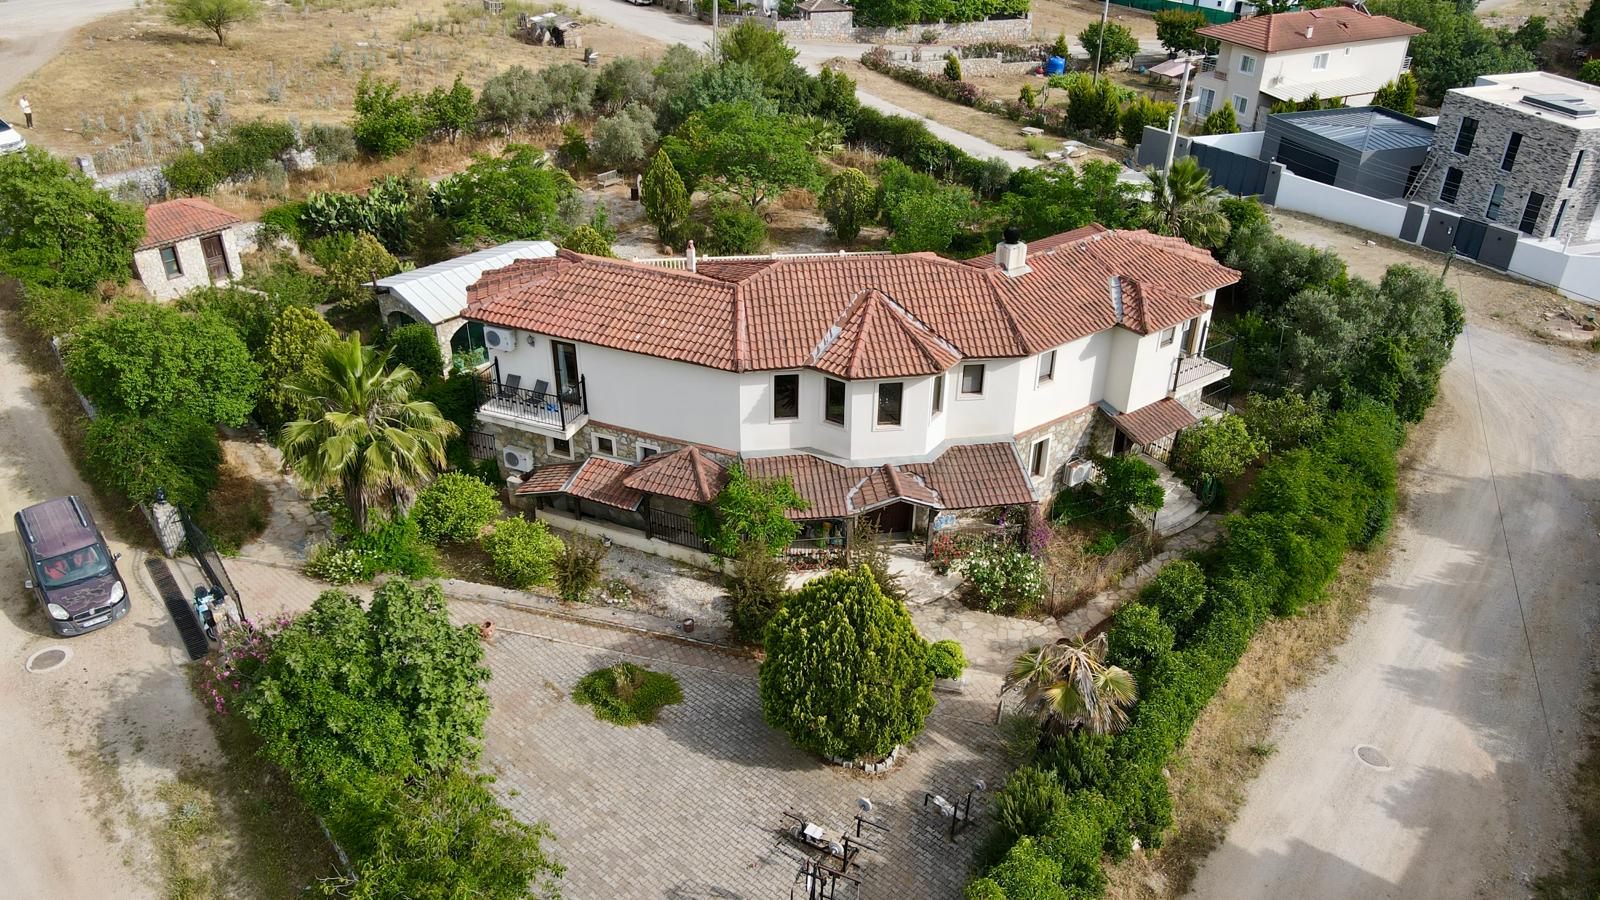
(70, 569)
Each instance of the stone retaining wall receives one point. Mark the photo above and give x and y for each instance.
(1020, 29)
(971, 66)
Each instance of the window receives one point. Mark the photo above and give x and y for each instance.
(1530, 212)
(647, 450)
(1495, 198)
(1452, 185)
(1561, 212)
(786, 396)
(938, 393)
(972, 380)
(1040, 458)
(1512, 145)
(169, 261)
(833, 401)
(561, 447)
(1319, 62)
(1208, 99)
(1240, 104)
(1576, 165)
(1168, 336)
(565, 361)
(1047, 366)
(1465, 135)
(1247, 63)
(605, 445)
(889, 395)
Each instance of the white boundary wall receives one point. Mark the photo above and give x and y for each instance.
(1339, 205)
(1576, 275)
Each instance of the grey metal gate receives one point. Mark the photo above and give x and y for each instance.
(205, 554)
(1469, 238)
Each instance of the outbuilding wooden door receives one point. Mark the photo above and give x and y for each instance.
(216, 259)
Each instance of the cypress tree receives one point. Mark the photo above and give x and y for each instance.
(666, 201)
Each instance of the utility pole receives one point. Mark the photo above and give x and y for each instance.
(716, 5)
(1448, 258)
(1101, 44)
(1177, 115)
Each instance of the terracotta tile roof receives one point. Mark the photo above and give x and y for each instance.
(1309, 28)
(963, 477)
(596, 478)
(1155, 421)
(174, 220)
(686, 474)
(878, 316)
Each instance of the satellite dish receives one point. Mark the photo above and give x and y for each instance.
(864, 803)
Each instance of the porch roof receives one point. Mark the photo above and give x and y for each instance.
(1148, 424)
(596, 478)
(962, 477)
(686, 474)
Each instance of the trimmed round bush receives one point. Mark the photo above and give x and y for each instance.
(522, 553)
(625, 694)
(1138, 636)
(733, 228)
(417, 348)
(946, 659)
(455, 508)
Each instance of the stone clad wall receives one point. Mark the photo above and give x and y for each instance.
(1020, 29)
(972, 66)
(1071, 437)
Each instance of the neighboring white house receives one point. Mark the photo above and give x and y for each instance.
(436, 295)
(1339, 52)
(188, 243)
(900, 386)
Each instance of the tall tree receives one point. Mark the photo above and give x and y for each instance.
(1399, 95)
(1184, 203)
(294, 344)
(849, 201)
(1120, 44)
(1044, 201)
(216, 16)
(365, 435)
(514, 196)
(761, 48)
(59, 224)
(666, 201)
(1222, 120)
(1068, 685)
(1175, 29)
(736, 148)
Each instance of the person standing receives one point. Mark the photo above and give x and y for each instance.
(27, 110)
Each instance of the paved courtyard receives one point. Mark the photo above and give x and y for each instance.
(692, 806)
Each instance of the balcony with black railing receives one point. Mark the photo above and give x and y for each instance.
(1197, 370)
(505, 400)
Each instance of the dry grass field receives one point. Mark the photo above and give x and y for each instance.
(1052, 17)
(130, 88)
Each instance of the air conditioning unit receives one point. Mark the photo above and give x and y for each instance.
(1079, 471)
(517, 459)
(500, 340)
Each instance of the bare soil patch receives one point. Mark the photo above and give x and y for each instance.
(1052, 17)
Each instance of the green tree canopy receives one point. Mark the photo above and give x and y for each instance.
(1047, 201)
(1141, 112)
(151, 360)
(736, 148)
(624, 139)
(1457, 47)
(449, 112)
(708, 86)
(215, 16)
(1222, 120)
(750, 511)
(63, 227)
(1184, 203)
(1399, 95)
(763, 49)
(514, 196)
(293, 348)
(1222, 448)
(387, 122)
(416, 347)
(922, 214)
(666, 200)
(849, 201)
(1175, 29)
(585, 239)
(1120, 44)
(622, 82)
(846, 674)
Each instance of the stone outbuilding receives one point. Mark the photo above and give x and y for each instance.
(188, 243)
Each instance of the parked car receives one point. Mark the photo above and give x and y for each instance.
(70, 570)
(11, 140)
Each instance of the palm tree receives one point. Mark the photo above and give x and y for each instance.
(1068, 684)
(365, 435)
(1184, 203)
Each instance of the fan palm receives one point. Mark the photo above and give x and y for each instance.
(365, 435)
(1184, 203)
(1068, 684)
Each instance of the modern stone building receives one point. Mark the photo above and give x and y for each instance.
(1518, 150)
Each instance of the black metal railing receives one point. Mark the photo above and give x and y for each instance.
(674, 528)
(1191, 367)
(549, 409)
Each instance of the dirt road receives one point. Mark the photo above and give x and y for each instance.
(1467, 676)
(32, 30)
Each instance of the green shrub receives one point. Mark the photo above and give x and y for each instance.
(332, 143)
(1177, 593)
(245, 151)
(846, 674)
(283, 219)
(757, 583)
(393, 546)
(1287, 421)
(1138, 637)
(749, 511)
(946, 659)
(1222, 448)
(335, 564)
(1004, 577)
(1028, 803)
(456, 507)
(135, 455)
(577, 569)
(1128, 487)
(625, 694)
(1026, 873)
(56, 311)
(416, 347)
(732, 228)
(522, 553)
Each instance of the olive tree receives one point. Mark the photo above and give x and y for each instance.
(216, 16)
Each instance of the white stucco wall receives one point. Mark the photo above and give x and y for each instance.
(1081, 374)
(147, 263)
(1378, 59)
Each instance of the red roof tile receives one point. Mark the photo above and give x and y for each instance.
(174, 220)
(963, 477)
(1309, 28)
(860, 316)
(596, 478)
(1155, 421)
(548, 479)
(686, 474)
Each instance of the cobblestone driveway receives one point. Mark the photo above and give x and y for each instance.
(692, 806)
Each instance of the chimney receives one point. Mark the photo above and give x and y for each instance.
(1011, 254)
(1309, 29)
(688, 255)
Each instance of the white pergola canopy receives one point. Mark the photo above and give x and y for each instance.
(437, 294)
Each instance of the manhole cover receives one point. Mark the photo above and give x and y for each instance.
(1372, 756)
(45, 660)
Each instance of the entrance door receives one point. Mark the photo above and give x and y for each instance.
(566, 366)
(1469, 238)
(216, 259)
(894, 519)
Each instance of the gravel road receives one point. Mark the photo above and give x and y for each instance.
(1468, 673)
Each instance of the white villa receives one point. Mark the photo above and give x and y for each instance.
(1341, 52)
(899, 387)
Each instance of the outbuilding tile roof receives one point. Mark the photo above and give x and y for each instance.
(1156, 421)
(1308, 28)
(686, 474)
(967, 476)
(873, 316)
(596, 478)
(174, 220)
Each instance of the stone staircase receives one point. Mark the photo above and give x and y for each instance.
(1182, 509)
